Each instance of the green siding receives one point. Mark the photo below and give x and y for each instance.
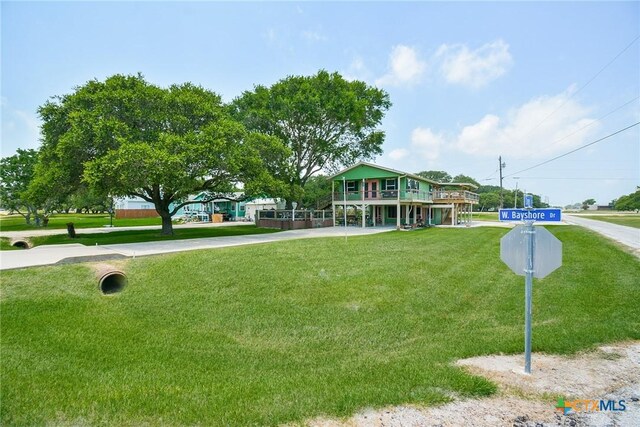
(364, 171)
(368, 172)
(437, 216)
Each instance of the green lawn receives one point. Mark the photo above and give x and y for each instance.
(59, 221)
(5, 244)
(485, 216)
(283, 332)
(630, 220)
(136, 236)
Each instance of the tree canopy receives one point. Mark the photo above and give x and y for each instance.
(587, 203)
(438, 176)
(16, 174)
(324, 120)
(465, 179)
(629, 202)
(126, 137)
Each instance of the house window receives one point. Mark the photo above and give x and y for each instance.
(145, 207)
(352, 186)
(392, 211)
(412, 184)
(390, 184)
(242, 207)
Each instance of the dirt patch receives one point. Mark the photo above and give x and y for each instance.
(610, 373)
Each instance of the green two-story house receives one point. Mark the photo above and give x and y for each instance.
(370, 195)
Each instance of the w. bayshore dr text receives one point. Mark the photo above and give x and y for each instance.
(530, 215)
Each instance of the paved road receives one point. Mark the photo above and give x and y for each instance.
(628, 236)
(54, 254)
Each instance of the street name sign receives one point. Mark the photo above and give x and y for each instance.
(550, 215)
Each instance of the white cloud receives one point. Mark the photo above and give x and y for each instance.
(474, 68)
(543, 126)
(357, 71)
(313, 36)
(405, 67)
(426, 143)
(398, 154)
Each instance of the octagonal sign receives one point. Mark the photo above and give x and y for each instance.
(547, 251)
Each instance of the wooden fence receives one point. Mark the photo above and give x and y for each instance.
(136, 213)
(294, 220)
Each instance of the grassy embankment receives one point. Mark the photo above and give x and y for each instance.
(59, 221)
(14, 223)
(137, 236)
(485, 216)
(630, 220)
(283, 332)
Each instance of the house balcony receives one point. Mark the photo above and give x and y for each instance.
(455, 196)
(382, 196)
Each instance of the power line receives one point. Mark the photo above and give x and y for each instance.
(583, 86)
(595, 121)
(574, 150)
(489, 177)
(574, 179)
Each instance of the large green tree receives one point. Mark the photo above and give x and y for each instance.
(317, 192)
(326, 121)
(126, 137)
(629, 202)
(16, 173)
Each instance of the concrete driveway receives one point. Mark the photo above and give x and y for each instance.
(55, 254)
(628, 236)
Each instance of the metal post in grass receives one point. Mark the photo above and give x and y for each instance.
(530, 252)
(528, 291)
(344, 209)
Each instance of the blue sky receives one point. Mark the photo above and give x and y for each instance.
(468, 81)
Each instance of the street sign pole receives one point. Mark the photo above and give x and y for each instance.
(528, 291)
(530, 252)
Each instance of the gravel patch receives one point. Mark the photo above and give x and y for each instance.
(611, 373)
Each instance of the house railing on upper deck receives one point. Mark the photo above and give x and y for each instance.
(445, 195)
(407, 196)
(372, 195)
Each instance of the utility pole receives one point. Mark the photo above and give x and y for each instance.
(500, 166)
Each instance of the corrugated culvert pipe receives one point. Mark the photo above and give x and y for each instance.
(110, 280)
(21, 243)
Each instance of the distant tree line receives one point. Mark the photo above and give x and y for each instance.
(629, 202)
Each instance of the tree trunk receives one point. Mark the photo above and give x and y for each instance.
(167, 225)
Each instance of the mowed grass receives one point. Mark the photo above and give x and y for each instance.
(630, 220)
(5, 244)
(284, 332)
(137, 236)
(59, 221)
(485, 216)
